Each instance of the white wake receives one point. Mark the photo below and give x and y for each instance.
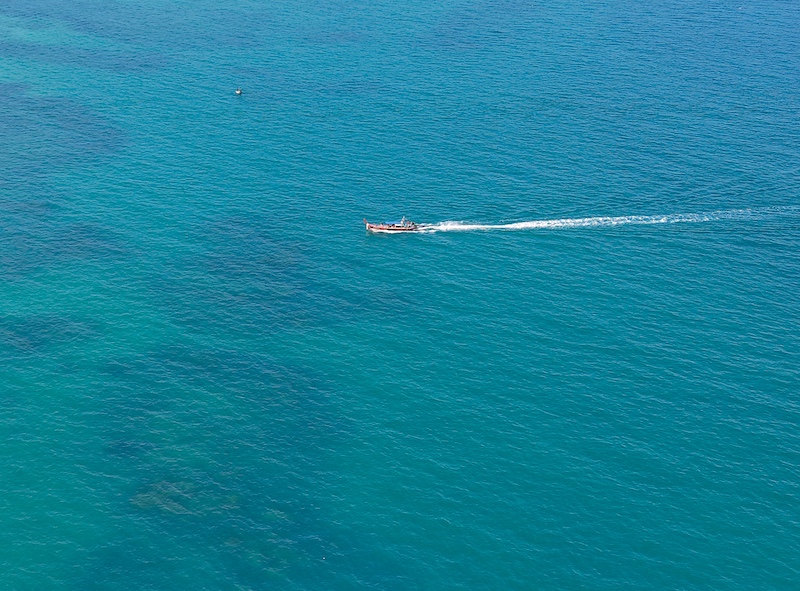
(673, 218)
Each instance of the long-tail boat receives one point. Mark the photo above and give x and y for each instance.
(403, 225)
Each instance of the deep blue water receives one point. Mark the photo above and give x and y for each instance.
(212, 378)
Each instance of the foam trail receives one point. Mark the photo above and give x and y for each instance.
(674, 218)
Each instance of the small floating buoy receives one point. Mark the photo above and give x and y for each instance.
(238, 92)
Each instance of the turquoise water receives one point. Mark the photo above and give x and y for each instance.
(585, 378)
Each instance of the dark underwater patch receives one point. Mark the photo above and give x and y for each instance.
(41, 134)
(72, 125)
(246, 491)
(129, 449)
(132, 24)
(29, 243)
(32, 334)
(237, 376)
(248, 280)
(84, 57)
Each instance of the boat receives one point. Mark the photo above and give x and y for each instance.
(403, 225)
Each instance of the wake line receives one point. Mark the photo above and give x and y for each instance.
(673, 218)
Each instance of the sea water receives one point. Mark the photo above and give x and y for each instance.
(584, 377)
